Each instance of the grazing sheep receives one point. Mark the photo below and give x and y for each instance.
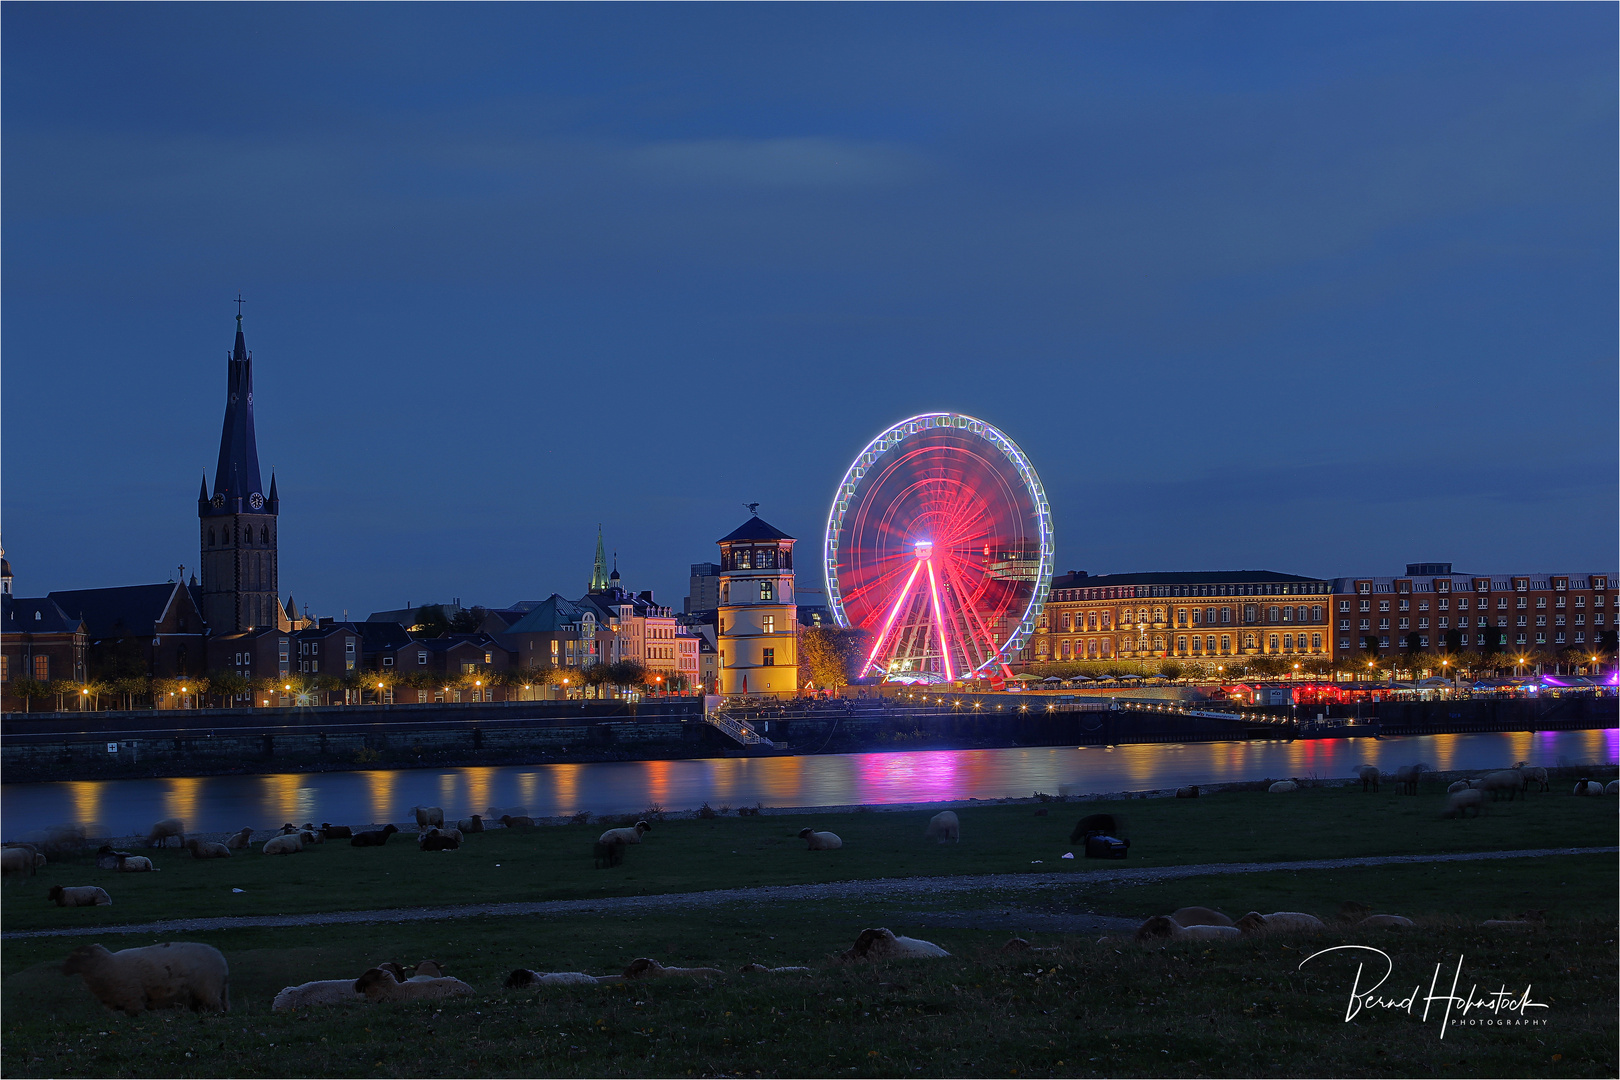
(285, 844)
(1409, 776)
(522, 978)
(434, 840)
(1368, 775)
(1537, 776)
(643, 968)
(1280, 921)
(1200, 916)
(320, 992)
(517, 821)
(183, 973)
(337, 832)
(240, 840)
(163, 830)
(379, 985)
(1095, 825)
(1583, 786)
(428, 816)
(944, 826)
(1283, 786)
(881, 943)
(1458, 803)
(1460, 785)
(471, 824)
(135, 864)
(1508, 780)
(1385, 922)
(761, 969)
(373, 837)
(16, 860)
(820, 841)
(631, 835)
(1163, 926)
(79, 896)
(1187, 792)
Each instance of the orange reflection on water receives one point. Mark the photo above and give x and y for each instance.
(566, 777)
(478, 778)
(657, 782)
(282, 798)
(86, 797)
(380, 793)
(528, 789)
(180, 800)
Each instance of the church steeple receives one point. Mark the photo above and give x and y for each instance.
(237, 485)
(599, 573)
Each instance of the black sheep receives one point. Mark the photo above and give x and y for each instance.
(374, 837)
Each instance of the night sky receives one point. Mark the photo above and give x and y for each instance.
(1321, 289)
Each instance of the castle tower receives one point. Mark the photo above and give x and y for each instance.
(759, 644)
(237, 523)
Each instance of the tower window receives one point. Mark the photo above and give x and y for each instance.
(766, 590)
(767, 658)
(210, 537)
(264, 534)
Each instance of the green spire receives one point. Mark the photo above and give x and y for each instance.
(599, 578)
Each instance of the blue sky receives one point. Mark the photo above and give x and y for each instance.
(1313, 288)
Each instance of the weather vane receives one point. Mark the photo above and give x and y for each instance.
(753, 508)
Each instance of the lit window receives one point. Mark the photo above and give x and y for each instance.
(767, 591)
(768, 624)
(767, 657)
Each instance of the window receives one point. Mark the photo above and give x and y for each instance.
(1274, 644)
(1181, 644)
(1444, 622)
(767, 590)
(1445, 605)
(1541, 620)
(1226, 616)
(1316, 643)
(421, 658)
(1316, 613)
(210, 537)
(1272, 615)
(1226, 643)
(1423, 641)
(767, 624)
(1406, 605)
(767, 657)
(1542, 602)
(489, 658)
(1580, 601)
(1383, 605)
(1366, 605)
(1344, 605)
(1383, 624)
(1406, 624)
(42, 668)
(1197, 617)
(388, 661)
(1423, 624)
(1423, 605)
(264, 534)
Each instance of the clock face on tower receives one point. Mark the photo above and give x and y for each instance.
(256, 501)
(219, 501)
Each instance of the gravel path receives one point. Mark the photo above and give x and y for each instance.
(922, 888)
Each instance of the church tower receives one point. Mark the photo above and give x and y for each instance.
(758, 613)
(238, 522)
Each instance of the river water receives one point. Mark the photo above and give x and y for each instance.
(216, 804)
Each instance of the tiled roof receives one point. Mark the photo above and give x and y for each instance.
(35, 615)
(755, 528)
(125, 609)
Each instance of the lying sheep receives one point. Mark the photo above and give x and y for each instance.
(175, 973)
(239, 841)
(1283, 786)
(16, 860)
(471, 824)
(1280, 922)
(288, 829)
(1504, 780)
(1163, 926)
(108, 859)
(631, 835)
(163, 830)
(1583, 786)
(373, 837)
(1200, 916)
(1460, 785)
(519, 821)
(135, 864)
(379, 985)
(881, 943)
(523, 978)
(1385, 922)
(1613, 788)
(310, 837)
(944, 826)
(436, 840)
(203, 849)
(820, 841)
(285, 844)
(1458, 803)
(644, 968)
(336, 832)
(79, 896)
(320, 992)
(1190, 792)
(1368, 775)
(428, 816)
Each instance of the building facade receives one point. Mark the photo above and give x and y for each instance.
(1192, 615)
(758, 616)
(1432, 608)
(702, 588)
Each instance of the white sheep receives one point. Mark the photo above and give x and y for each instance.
(523, 977)
(1280, 922)
(163, 830)
(428, 816)
(1583, 786)
(285, 844)
(644, 968)
(1613, 788)
(631, 835)
(183, 973)
(79, 896)
(1199, 916)
(1537, 776)
(202, 849)
(1385, 922)
(1368, 775)
(881, 943)
(320, 992)
(1163, 926)
(379, 985)
(1282, 786)
(239, 841)
(16, 860)
(1508, 780)
(1459, 785)
(135, 864)
(944, 826)
(820, 841)
(1458, 803)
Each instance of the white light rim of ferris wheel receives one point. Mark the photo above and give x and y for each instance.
(894, 436)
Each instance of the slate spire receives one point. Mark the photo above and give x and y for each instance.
(237, 477)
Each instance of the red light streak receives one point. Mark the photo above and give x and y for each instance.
(893, 613)
(939, 622)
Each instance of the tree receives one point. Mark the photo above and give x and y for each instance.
(1172, 670)
(832, 654)
(229, 685)
(129, 687)
(624, 673)
(28, 690)
(430, 621)
(595, 677)
(467, 621)
(1266, 666)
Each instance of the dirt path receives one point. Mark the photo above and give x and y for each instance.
(919, 888)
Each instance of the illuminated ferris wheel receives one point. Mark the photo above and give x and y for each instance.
(939, 545)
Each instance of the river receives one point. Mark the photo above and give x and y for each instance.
(217, 804)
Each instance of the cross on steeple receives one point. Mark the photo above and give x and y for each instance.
(239, 303)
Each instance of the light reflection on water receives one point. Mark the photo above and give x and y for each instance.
(225, 803)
